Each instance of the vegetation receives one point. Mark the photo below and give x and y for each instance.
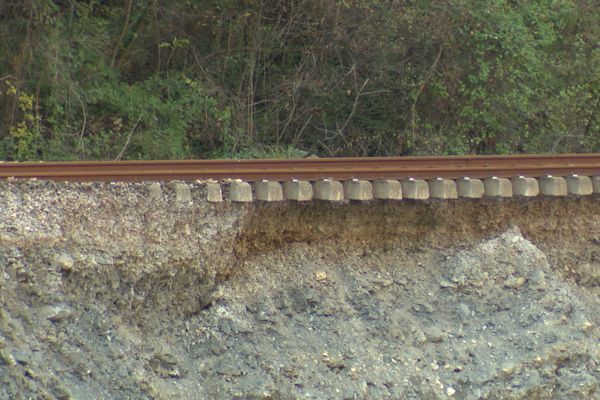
(133, 79)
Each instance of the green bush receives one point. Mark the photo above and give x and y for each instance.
(133, 79)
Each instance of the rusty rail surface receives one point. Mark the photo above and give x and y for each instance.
(308, 169)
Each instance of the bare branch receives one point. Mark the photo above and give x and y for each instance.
(80, 142)
(358, 94)
(297, 138)
(128, 140)
(123, 32)
(413, 107)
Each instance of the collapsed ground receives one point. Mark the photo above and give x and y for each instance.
(107, 293)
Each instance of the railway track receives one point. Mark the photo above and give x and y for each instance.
(450, 167)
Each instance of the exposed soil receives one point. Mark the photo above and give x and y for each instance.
(106, 292)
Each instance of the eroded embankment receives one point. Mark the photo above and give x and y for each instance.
(110, 293)
(550, 223)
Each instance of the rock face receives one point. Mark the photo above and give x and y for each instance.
(106, 292)
(490, 321)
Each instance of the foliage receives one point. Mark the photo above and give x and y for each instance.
(133, 79)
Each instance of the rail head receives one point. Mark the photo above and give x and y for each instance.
(426, 167)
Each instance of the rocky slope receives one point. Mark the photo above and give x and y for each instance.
(106, 292)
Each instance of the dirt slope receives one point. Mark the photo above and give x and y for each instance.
(107, 293)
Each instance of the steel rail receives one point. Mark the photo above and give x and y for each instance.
(309, 169)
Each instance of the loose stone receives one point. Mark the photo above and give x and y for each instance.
(64, 262)
(515, 282)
